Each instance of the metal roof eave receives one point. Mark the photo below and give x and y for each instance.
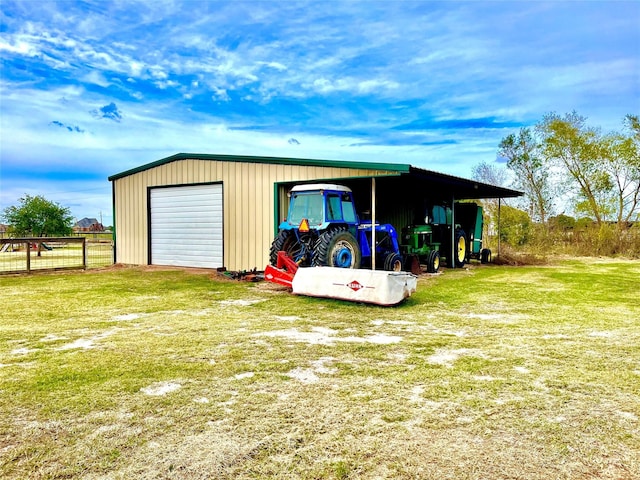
(463, 188)
(396, 168)
(459, 187)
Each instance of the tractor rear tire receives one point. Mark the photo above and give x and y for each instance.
(337, 248)
(285, 241)
(460, 249)
(393, 262)
(433, 262)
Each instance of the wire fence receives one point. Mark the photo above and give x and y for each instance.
(28, 255)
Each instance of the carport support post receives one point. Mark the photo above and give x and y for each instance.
(373, 223)
(452, 263)
(499, 205)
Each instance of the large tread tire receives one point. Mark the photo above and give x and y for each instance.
(337, 248)
(460, 249)
(393, 262)
(433, 262)
(285, 241)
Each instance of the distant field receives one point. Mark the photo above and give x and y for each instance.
(491, 372)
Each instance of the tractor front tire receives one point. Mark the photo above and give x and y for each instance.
(485, 255)
(393, 262)
(285, 241)
(460, 249)
(337, 248)
(433, 262)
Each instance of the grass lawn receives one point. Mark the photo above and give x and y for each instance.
(491, 372)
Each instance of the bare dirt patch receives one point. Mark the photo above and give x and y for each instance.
(160, 389)
(327, 336)
(448, 357)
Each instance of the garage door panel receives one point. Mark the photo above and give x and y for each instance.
(202, 190)
(175, 203)
(167, 233)
(198, 217)
(196, 261)
(160, 243)
(195, 258)
(187, 226)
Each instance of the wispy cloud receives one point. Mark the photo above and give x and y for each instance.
(70, 128)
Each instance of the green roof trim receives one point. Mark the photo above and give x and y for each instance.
(397, 168)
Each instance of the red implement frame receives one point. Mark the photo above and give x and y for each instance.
(284, 270)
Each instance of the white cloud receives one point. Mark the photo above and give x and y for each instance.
(163, 85)
(369, 86)
(97, 78)
(275, 65)
(20, 47)
(220, 95)
(136, 68)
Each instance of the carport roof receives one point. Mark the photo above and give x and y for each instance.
(441, 184)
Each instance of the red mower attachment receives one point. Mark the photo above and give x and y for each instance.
(283, 272)
(355, 285)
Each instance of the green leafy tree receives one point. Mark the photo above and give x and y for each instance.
(38, 217)
(515, 226)
(562, 222)
(531, 172)
(581, 152)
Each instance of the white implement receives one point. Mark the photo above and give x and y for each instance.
(369, 286)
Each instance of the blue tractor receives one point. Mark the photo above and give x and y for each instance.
(323, 229)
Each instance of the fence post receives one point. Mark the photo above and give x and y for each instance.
(28, 244)
(84, 253)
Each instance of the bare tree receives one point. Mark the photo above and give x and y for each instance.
(490, 173)
(623, 165)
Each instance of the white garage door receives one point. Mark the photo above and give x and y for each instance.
(186, 226)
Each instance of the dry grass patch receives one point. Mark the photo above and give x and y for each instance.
(483, 373)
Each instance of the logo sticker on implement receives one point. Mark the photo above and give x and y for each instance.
(355, 286)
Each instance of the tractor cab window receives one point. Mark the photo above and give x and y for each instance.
(306, 205)
(334, 210)
(439, 215)
(348, 209)
(340, 208)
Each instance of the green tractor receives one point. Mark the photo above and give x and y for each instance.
(429, 242)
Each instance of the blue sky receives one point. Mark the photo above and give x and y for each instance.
(93, 88)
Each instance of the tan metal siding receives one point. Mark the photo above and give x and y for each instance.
(248, 204)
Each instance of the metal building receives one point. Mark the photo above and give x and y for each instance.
(210, 211)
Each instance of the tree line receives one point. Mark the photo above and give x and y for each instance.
(575, 178)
